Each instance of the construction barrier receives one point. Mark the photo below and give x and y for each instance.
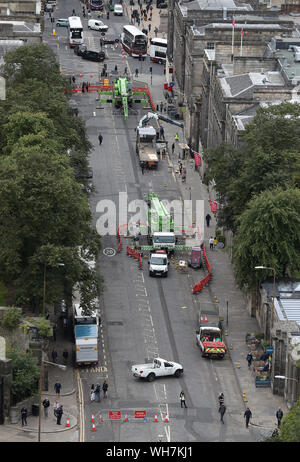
(199, 285)
(120, 240)
(135, 254)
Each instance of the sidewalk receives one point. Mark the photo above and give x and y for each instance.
(50, 431)
(261, 401)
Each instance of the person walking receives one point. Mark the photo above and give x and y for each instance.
(54, 355)
(59, 413)
(107, 15)
(100, 138)
(46, 404)
(173, 148)
(97, 392)
(155, 31)
(215, 242)
(222, 410)
(162, 132)
(24, 416)
(136, 72)
(57, 388)
(142, 167)
(211, 243)
(149, 27)
(279, 415)
(65, 355)
(249, 359)
(104, 389)
(208, 218)
(83, 87)
(55, 407)
(182, 399)
(247, 416)
(180, 167)
(93, 395)
(176, 138)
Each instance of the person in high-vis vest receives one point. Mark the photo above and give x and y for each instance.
(176, 137)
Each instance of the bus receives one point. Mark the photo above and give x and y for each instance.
(75, 31)
(134, 41)
(158, 50)
(96, 4)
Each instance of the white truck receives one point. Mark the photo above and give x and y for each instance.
(164, 241)
(158, 264)
(158, 368)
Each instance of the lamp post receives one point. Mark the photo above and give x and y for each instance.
(60, 366)
(274, 292)
(44, 285)
(283, 377)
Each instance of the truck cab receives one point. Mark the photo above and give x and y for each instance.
(158, 264)
(164, 241)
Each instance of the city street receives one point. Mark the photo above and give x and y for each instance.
(142, 317)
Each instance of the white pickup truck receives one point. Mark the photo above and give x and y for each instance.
(158, 368)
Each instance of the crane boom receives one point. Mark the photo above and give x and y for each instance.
(153, 115)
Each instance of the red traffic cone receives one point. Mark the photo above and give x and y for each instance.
(166, 418)
(93, 417)
(68, 422)
(100, 418)
(126, 418)
(201, 318)
(155, 417)
(93, 428)
(205, 319)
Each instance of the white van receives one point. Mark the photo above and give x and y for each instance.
(95, 24)
(118, 9)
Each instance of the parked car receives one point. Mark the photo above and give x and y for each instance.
(79, 49)
(97, 56)
(62, 22)
(118, 10)
(97, 25)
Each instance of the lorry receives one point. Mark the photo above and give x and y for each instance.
(158, 263)
(158, 368)
(146, 147)
(160, 224)
(209, 335)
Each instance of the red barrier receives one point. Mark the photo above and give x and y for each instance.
(199, 285)
(135, 254)
(120, 240)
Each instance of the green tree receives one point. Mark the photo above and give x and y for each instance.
(269, 235)
(290, 426)
(11, 317)
(25, 373)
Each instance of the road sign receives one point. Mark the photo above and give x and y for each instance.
(140, 414)
(171, 84)
(114, 415)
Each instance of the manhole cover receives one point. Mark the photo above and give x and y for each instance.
(109, 252)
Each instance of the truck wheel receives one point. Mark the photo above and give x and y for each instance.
(178, 373)
(151, 377)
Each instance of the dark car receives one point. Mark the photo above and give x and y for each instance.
(97, 56)
(79, 49)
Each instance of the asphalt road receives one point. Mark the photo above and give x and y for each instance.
(142, 317)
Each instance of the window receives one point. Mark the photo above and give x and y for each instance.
(210, 46)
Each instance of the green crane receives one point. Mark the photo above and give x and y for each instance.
(122, 95)
(158, 217)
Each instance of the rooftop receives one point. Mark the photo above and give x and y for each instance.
(243, 84)
(213, 5)
(200, 30)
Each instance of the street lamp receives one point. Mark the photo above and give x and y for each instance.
(284, 377)
(60, 366)
(274, 292)
(44, 285)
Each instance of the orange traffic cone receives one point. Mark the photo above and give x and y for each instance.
(68, 422)
(126, 418)
(155, 417)
(167, 418)
(93, 428)
(93, 417)
(100, 418)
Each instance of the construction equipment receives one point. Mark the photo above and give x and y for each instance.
(146, 147)
(153, 115)
(159, 218)
(122, 95)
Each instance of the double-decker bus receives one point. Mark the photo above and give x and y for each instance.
(96, 4)
(158, 50)
(134, 41)
(75, 31)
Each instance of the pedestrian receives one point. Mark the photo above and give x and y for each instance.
(184, 175)
(155, 31)
(208, 218)
(73, 78)
(87, 86)
(83, 87)
(97, 392)
(279, 415)
(105, 388)
(149, 27)
(93, 395)
(136, 72)
(164, 68)
(173, 148)
(55, 407)
(176, 137)
(161, 106)
(73, 13)
(180, 167)
(139, 21)
(107, 15)
(54, 333)
(211, 243)
(247, 415)
(24, 416)
(215, 242)
(125, 71)
(162, 132)
(54, 355)
(57, 388)
(142, 167)
(46, 404)
(100, 138)
(59, 413)
(222, 410)
(249, 359)
(150, 17)
(65, 355)
(182, 399)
